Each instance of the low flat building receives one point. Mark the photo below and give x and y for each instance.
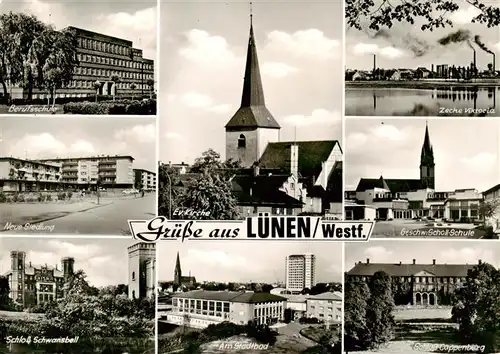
(17, 175)
(297, 305)
(326, 307)
(200, 308)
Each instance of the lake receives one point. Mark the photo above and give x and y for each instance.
(443, 101)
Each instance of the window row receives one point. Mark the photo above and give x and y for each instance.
(116, 62)
(120, 85)
(107, 72)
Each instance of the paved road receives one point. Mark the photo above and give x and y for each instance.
(106, 220)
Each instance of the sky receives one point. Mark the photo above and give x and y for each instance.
(32, 137)
(131, 20)
(450, 252)
(96, 257)
(465, 151)
(256, 262)
(393, 49)
(203, 51)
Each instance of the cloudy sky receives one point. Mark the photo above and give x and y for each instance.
(131, 20)
(245, 261)
(49, 137)
(465, 151)
(203, 51)
(451, 252)
(393, 49)
(94, 256)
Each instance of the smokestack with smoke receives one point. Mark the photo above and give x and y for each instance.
(374, 64)
(459, 36)
(417, 46)
(494, 64)
(483, 46)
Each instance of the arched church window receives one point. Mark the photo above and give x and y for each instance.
(242, 141)
(133, 275)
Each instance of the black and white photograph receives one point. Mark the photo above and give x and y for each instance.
(229, 151)
(61, 296)
(421, 297)
(77, 57)
(250, 297)
(76, 177)
(435, 179)
(422, 58)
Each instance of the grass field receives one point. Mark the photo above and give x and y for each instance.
(422, 314)
(8, 315)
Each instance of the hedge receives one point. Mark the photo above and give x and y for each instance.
(128, 107)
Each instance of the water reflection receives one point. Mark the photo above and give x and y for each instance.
(442, 101)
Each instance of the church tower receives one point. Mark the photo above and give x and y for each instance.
(252, 127)
(178, 272)
(427, 164)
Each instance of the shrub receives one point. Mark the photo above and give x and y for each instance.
(61, 196)
(15, 197)
(31, 199)
(21, 198)
(69, 195)
(41, 197)
(48, 197)
(118, 107)
(3, 197)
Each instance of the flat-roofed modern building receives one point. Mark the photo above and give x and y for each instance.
(325, 307)
(300, 272)
(24, 175)
(145, 179)
(100, 57)
(200, 308)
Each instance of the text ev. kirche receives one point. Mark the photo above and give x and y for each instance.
(285, 227)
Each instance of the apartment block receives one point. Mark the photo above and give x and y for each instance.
(300, 272)
(145, 179)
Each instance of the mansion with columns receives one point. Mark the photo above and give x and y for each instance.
(420, 284)
(386, 199)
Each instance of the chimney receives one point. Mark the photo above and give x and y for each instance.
(474, 59)
(494, 64)
(294, 160)
(374, 63)
(256, 170)
(432, 68)
(434, 262)
(368, 261)
(414, 261)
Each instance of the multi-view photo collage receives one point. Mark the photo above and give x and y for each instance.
(281, 177)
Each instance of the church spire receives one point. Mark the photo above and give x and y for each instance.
(427, 177)
(427, 153)
(253, 92)
(178, 271)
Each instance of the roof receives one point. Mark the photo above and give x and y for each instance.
(231, 296)
(329, 295)
(39, 162)
(262, 191)
(406, 269)
(312, 154)
(106, 157)
(253, 112)
(143, 170)
(394, 185)
(492, 189)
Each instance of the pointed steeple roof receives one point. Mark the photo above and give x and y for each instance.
(253, 112)
(427, 153)
(178, 264)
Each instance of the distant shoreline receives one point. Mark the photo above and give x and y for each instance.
(419, 84)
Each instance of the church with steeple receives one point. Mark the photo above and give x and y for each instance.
(180, 280)
(286, 177)
(389, 198)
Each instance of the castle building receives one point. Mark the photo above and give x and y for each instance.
(99, 58)
(179, 279)
(386, 198)
(32, 284)
(141, 270)
(115, 172)
(306, 176)
(420, 284)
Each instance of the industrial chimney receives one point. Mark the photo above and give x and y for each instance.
(474, 61)
(374, 64)
(494, 64)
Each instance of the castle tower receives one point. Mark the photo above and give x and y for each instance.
(252, 127)
(18, 261)
(140, 262)
(178, 272)
(68, 267)
(427, 164)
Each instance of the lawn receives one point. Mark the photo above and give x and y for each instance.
(9, 315)
(422, 314)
